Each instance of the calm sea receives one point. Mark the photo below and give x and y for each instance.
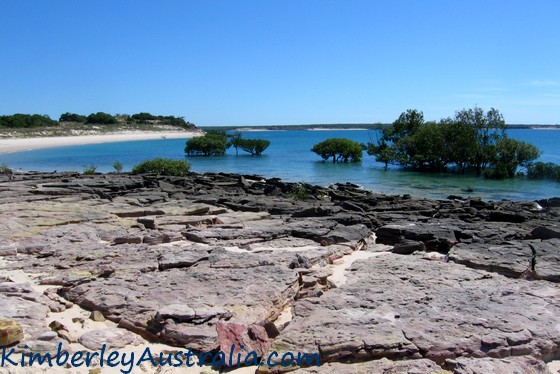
(289, 157)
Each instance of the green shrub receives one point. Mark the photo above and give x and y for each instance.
(339, 149)
(214, 143)
(511, 154)
(117, 166)
(72, 117)
(89, 170)
(163, 166)
(542, 170)
(5, 169)
(26, 121)
(101, 119)
(472, 139)
(299, 193)
(253, 146)
(497, 172)
(142, 117)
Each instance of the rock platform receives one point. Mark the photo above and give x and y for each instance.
(209, 260)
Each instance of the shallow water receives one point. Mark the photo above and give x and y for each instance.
(289, 157)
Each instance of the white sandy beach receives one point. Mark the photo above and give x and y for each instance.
(26, 144)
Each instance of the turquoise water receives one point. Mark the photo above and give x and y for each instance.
(289, 157)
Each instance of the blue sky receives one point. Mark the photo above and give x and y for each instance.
(259, 62)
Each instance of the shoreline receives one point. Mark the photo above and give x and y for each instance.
(27, 144)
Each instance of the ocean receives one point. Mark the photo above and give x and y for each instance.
(289, 157)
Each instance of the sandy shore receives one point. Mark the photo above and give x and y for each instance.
(26, 144)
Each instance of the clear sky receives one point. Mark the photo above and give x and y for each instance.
(262, 62)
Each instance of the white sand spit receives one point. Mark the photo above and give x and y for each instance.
(25, 144)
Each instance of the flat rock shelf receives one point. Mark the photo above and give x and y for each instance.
(371, 283)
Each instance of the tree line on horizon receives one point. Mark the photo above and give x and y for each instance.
(17, 121)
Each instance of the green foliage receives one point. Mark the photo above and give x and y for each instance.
(407, 124)
(488, 129)
(72, 117)
(299, 193)
(460, 143)
(163, 166)
(176, 121)
(117, 166)
(425, 147)
(26, 121)
(213, 143)
(511, 154)
(396, 145)
(235, 138)
(381, 150)
(496, 172)
(5, 169)
(471, 139)
(339, 149)
(542, 170)
(89, 170)
(253, 146)
(144, 117)
(101, 119)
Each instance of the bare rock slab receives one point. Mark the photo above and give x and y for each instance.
(512, 259)
(183, 305)
(401, 307)
(520, 364)
(382, 366)
(112, 338)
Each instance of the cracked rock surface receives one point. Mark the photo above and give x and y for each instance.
(210, 260)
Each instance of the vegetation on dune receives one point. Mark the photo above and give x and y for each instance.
(19, 120)
(101, 118)
(72, 117)
(163, 166)
(143, 117)
(24, 125)
(339, 149)
(147, 118)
